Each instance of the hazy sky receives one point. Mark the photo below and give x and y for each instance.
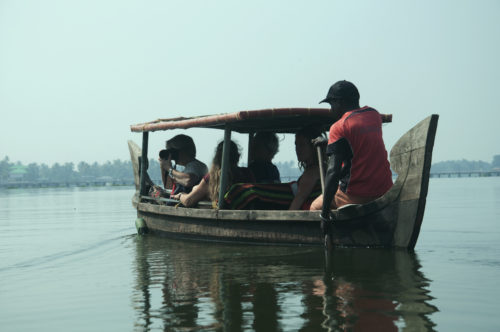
(74, 75)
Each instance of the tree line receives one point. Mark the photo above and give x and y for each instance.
(83, 171)
(69, 172)
(466, 165)
(122, 170)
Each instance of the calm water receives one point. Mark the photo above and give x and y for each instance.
(70, 261)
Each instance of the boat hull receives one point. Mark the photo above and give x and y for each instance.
(267, 226)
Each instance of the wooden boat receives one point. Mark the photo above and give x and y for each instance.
(393, 220)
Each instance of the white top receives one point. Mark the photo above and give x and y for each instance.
(194, 167)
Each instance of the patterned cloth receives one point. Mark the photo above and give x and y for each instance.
(157, 191)
(266, 196)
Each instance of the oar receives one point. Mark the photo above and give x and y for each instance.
(319, 150)
(321, 168)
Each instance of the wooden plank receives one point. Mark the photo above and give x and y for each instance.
(241, 215)
(224, 177)
(144, 163)
(245, 231)
(135, 152)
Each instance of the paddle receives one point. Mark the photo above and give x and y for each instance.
(319, 150)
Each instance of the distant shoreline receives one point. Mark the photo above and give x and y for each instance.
(130, 183)
(465, 174)
(17, 185)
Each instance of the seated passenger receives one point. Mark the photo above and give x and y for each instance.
(264, 147)
(308, 162)
(182, 150)
(209, 185)
(292, 196)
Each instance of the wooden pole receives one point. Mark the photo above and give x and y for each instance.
(319, 150)
(144, 163)
(328, 236)
(250, 148)
(224, 167)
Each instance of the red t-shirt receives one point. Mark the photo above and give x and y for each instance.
(357, 139)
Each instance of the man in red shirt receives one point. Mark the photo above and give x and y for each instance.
(358, 170)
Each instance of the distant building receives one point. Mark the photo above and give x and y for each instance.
(17, 172)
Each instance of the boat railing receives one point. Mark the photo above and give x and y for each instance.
(174, 202)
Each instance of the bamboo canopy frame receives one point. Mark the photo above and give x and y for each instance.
(280, 120)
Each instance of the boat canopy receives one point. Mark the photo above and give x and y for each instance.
(281, 120)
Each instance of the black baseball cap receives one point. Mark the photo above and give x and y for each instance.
(344, 90)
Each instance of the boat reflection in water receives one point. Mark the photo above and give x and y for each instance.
(209, 286)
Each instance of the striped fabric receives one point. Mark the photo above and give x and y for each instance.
(265, 196)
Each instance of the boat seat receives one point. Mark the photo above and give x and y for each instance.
(350, 211)
(204, 204)
(347, 205)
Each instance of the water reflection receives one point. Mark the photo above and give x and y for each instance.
(208, 286)
(367, 289)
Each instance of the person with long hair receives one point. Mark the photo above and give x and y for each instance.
(209, 186)
(296, 195)
(308, 163)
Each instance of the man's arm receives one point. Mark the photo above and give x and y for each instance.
(185, 179)
(331, 182)
(339, 151)
(165, 166)
(170, 175)
(304, 188)
(198, 193)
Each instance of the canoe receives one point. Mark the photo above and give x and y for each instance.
(393, 220)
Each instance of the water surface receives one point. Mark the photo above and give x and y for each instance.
(70, 260)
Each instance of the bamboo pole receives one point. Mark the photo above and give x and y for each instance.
(144, 163)
(224, 166)
(250, 147)
(319, 150)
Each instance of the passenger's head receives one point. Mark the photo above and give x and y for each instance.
(234, 154)
(184, 144)
(215, 169)
(342, 96)
(306, 154)
(265, 145)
